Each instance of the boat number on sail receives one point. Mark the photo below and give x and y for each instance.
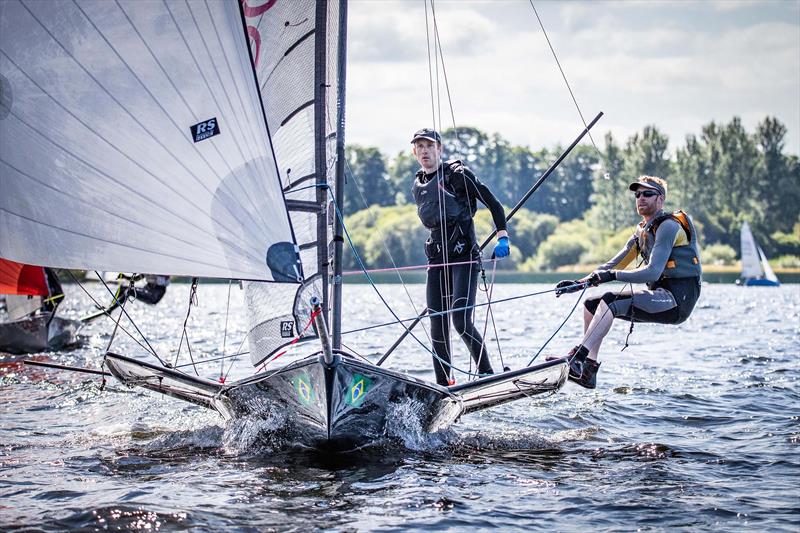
(204, 130)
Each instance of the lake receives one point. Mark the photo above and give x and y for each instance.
(691, 427)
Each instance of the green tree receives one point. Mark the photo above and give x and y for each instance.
(367, 180)
(731, 185)
(401, 176)
(778, 179)
(688, 188)
(609, 210)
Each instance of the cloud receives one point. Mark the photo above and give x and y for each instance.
(677, 66)
(397, 31)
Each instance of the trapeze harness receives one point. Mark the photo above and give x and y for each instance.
(671, 298)
(447, 212)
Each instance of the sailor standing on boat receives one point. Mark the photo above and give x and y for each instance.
(667, 245)
(446, 194)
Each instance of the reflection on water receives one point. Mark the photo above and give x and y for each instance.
(690, 427)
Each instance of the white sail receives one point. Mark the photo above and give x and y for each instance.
(768, 272)
(290, 54)
(133, 138)
(751, 265)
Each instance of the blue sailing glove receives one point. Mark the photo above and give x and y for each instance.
(502, 248)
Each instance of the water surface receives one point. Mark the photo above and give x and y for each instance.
(690, 427)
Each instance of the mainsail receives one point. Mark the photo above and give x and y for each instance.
(751, 265)
(133, 138)
(182, 138)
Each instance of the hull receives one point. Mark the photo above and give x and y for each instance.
(759, 282)
(346, 404)
(38, 333)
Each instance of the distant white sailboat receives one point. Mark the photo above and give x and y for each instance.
(755, 267)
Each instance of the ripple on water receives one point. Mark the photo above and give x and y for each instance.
(692, 427)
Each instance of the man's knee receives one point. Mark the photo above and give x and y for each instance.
(591, 304)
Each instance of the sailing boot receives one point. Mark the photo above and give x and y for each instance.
(577, 357)
(588, 378)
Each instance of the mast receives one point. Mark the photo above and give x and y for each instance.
(338, 240)
(320, 159)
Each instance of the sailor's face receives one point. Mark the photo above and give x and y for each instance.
(428, 153)
(648, 202)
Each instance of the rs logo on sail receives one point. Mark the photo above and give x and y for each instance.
(204, 130)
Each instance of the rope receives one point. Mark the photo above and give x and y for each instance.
(184, 333)
(147, 348)
(225, 337)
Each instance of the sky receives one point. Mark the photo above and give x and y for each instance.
(677, 65)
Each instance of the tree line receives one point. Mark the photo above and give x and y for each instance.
(584, 212)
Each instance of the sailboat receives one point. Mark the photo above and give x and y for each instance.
(755, 267)
(32, 295)
(29, 298)
(197, 139)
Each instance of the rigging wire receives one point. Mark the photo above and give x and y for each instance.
(439, 56)
(225, 336)
(149, 349)
(563, 75)
(606, 175)
(397, 319)
(361, 263)
(394, 267)
(433, 73)
(184, 333)
(449, 311)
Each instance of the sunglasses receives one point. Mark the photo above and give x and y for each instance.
(646, 194)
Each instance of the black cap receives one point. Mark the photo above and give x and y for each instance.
(644, 183)
(427, 133)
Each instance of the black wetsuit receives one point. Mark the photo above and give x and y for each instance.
(455, 286)
(153, 290)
